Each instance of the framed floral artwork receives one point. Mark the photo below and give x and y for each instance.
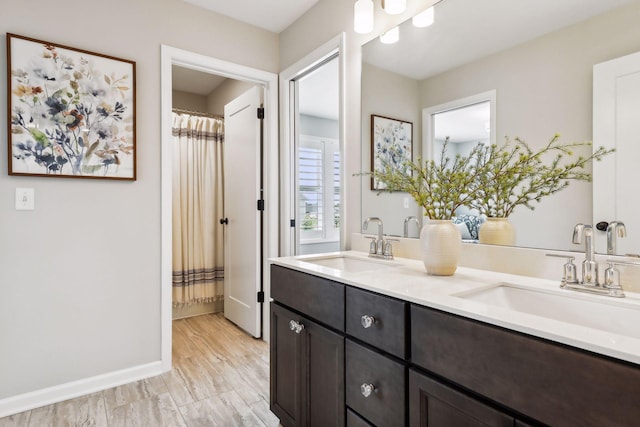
(72, 113)
(391, 144)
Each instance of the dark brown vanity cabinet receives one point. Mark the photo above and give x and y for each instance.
(554, 384)
(307, 371)
(341, 356)
(307, 358)
(432, 404)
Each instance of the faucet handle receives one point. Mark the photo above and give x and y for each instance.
(373, 245)
(612, 280)
(388, 249)
(612, 276)
(570, 275)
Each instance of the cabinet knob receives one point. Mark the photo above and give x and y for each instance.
(367, 389)
(367, 321)
(296, 327)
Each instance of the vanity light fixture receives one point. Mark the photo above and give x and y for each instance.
(394, 7)
(424, 18)
(363, 16)
(391, 36)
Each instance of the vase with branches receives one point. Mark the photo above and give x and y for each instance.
(514, 174)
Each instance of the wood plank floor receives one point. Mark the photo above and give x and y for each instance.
(220, 377)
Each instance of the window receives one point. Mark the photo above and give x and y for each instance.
(318, 189)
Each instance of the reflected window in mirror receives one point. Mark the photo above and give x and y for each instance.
(317, 159)
(462, 124)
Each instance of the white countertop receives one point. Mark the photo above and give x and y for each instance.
(408, 280)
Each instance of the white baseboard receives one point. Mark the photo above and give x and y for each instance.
(46, 396)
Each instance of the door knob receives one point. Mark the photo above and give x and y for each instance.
(224, 221)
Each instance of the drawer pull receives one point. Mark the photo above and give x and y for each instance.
(367, 389)
(297, 327)
(367, 321)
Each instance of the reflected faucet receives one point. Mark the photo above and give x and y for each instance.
(614, 228)
(589, 265)
(407, 220)
(379, 243)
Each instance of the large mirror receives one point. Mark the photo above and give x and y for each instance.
(536, 56)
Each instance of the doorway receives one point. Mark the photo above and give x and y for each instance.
(313, 152)
(318, 162)
(172, 57)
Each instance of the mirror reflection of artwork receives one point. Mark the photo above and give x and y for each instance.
(391, 144)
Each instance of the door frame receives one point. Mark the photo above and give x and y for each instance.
(173, 56)
(287, 144)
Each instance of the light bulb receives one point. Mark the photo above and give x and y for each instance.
(363, 16)
(395, 7)
(424, 18)
(391, 36)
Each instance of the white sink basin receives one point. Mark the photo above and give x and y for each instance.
(349, 264)
(598, 312)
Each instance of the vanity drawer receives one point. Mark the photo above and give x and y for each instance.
(355, 420)
(551, 383)
(385, 405)
(386, 317)
(319, 298)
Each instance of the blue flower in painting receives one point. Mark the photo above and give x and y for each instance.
(56, 106)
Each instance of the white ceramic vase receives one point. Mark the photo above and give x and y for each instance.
(441, 243)
(497, 231)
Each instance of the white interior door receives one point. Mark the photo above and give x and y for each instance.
(242, 172)
(616, 124)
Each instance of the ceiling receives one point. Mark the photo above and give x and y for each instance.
(271, 15)
(197, 82)
(318, 92)
(466, 30)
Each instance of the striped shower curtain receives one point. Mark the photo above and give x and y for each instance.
(198, 262)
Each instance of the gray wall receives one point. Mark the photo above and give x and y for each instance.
(189, 101)
(80, 275)
(227, 91)
(544, 87)
(390, 95)
(318, 126)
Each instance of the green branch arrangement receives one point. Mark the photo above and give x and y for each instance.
(493, 179)
(439, 187)
(515, 175)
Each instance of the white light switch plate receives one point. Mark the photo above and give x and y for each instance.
(25, 199)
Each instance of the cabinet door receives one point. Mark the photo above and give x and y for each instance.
(307, 371)
(285, 367)
(323, 376)
(434, 404)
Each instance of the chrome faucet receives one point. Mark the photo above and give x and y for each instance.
(590, 281)
(378, 248)
(407, 220)
(589, 265)
(615, 228)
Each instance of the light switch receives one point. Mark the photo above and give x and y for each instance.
(25, 199)
(406, 203)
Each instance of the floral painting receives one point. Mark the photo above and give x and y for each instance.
(391, 144)
(71, 112)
